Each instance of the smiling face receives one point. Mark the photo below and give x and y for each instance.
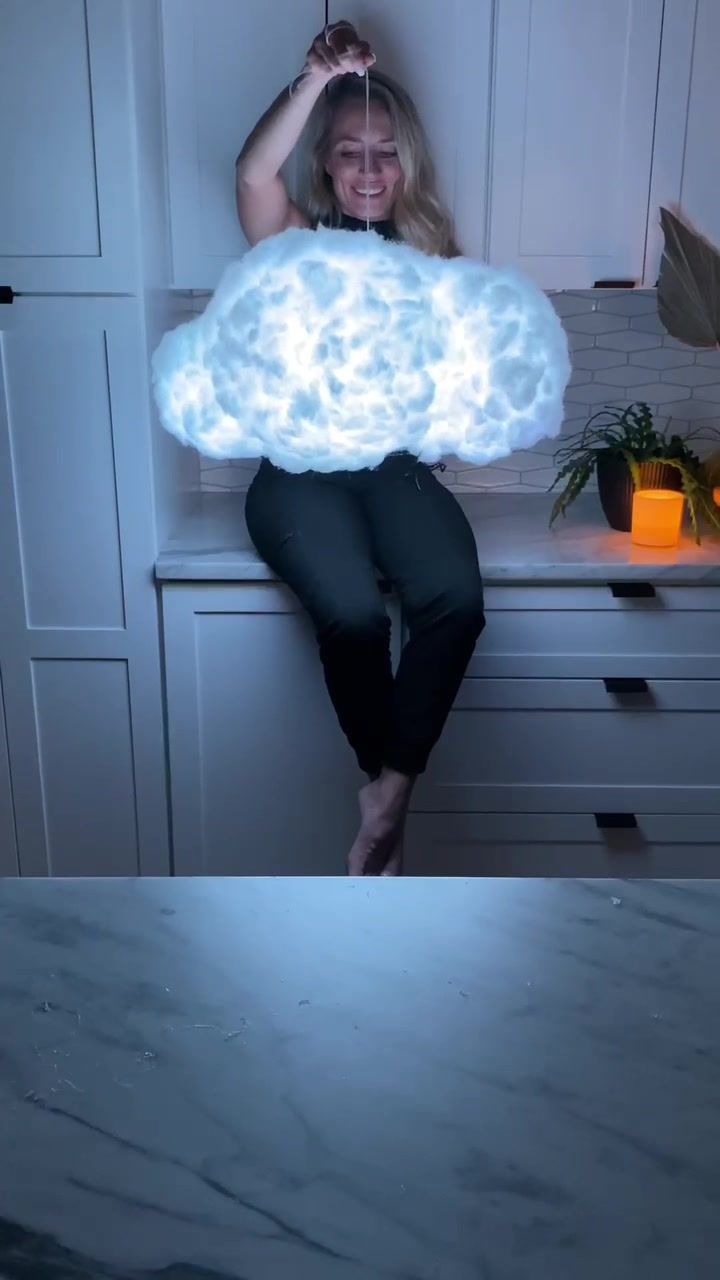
(346, 161)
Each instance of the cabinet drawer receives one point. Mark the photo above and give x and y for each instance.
(589, 631)
(518, 737)
(662, 846)
(622, 694)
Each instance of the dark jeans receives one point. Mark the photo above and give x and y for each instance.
(326, 535)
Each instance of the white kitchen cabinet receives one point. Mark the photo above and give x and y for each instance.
(79, 642)
(224, 63)
(440, 53)
(263, 781)
(8, 844)
(572, 138)
(581, 845)
(540, 770)
(67, 213)
(585, 697)
(557, 129)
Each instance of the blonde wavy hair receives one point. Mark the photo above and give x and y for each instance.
(421, 218)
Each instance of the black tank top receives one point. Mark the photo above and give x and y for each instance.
(385, 228)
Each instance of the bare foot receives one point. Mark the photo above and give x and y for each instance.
(377, 836)
(383, 806)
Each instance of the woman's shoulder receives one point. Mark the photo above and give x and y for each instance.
(296, 217)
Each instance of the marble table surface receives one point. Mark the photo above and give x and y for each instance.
(210, 542)
(293, 1079)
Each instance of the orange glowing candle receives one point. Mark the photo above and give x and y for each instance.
(657, 517)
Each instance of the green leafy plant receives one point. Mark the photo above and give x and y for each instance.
(632, 436)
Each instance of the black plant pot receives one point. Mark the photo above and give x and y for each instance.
(615, 486)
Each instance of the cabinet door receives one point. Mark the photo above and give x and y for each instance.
(66, 217)
(263, 780)
(224, 63)
(573, 120)
(533, 745)
(8, 845)
(79, 643)
(660, 846)
(686, 162)
(700, 189)
(440, 53)
(631, 629)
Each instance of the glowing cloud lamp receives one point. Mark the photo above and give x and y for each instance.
(330, 349)
(657, 517)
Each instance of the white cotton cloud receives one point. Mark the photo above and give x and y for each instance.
(329, 349)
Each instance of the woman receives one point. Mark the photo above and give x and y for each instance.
(327, 535)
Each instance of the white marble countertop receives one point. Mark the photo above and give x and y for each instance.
(318, 1078)
(211, 543)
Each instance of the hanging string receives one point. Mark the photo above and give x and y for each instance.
(367, 162)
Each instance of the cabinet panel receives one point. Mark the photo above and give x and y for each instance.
(263, 780)
(59, 420)
(224, 64)
(574, 734)
(558, 844)
(658, 698)
(573, 120)
(79, 643)
(700, 190)
(438, 795)
(8, 846)
(685, 166)
(66, 218)
(84, 735)
(573, 631)
(431, 49)
(671, 122)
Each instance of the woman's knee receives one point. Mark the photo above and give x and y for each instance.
(468, 601)
(466, 604)
(462, 602)
(357, 622)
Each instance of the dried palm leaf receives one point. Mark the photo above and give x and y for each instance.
(688, 287)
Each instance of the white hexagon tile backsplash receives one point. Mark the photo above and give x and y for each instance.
(620, 352)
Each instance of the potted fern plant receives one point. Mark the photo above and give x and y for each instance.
(628, 453)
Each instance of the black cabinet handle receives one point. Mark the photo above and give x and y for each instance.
(625, 684)
(632, 590)
(612, 821)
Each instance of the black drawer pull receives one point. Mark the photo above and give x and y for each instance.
(625, 684)
(611, 821)
(632, 590)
